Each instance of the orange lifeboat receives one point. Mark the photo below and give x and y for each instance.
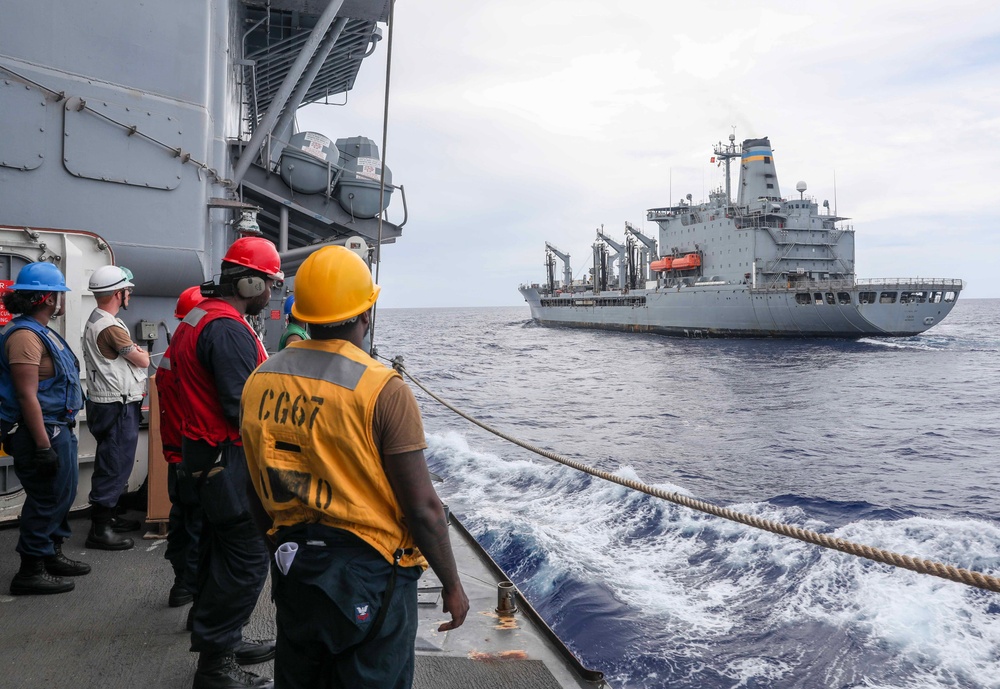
(688, 262)
(661, 265)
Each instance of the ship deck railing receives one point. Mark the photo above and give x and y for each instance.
(911, 282)
(863, 283)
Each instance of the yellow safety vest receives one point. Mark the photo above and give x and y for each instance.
(307, 430)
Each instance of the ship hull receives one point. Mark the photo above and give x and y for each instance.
(745, 311)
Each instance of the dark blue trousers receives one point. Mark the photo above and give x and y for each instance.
(184, 530)
(47, 499)
(326, 606)
(233, 561)
(115, 426)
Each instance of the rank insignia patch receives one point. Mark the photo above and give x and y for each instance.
(361, 613)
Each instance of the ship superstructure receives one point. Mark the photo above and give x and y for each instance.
(151, 135)
(760, 266)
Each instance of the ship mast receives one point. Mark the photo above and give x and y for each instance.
(727, 153)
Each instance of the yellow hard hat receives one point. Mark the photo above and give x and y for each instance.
(332, 285)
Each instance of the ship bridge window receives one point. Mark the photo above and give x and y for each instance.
(830, 299)
(950, 296)
(866, 297)
(802, 298)
(818, 298)
(913, 298)
(887, 298)
(843, 298)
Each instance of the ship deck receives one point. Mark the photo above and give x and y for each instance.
(116, 630)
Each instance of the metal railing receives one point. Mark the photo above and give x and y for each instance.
(911, 282)
(888, 283)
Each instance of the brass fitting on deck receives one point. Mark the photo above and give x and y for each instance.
(506, 598)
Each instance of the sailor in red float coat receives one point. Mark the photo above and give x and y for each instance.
(213, 352)
(184, 522)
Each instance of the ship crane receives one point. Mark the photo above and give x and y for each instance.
(649, 248)
(567, 271)
(600, 271)
(622, 252)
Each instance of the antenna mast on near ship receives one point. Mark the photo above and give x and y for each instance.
(727, 153)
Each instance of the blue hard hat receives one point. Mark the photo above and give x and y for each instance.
(40, 277)
(289, 300)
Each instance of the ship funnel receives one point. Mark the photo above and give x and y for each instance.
(758, 179)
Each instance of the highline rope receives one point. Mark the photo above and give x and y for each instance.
(914, 564)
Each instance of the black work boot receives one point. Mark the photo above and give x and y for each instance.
(33, 580)
(220, 671)
(101, 536)
(252, 651)
(123, 525)
(61, 566)
(179, 595)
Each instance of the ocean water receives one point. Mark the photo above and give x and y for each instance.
(887, 442)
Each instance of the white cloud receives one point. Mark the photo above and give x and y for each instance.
(519, 122)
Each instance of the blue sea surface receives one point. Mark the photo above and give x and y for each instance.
(886, 442)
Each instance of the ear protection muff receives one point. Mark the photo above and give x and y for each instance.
(250, 287)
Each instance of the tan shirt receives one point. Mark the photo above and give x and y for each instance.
(25, 347)
(397, 426)
(114, 341)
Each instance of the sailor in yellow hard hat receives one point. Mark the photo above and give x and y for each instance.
(334, 442)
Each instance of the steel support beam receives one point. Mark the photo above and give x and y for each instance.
(267, 123)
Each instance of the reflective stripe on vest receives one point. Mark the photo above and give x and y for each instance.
(333, 368)
(307, 431)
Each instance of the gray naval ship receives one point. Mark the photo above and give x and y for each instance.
(764, 266)
(152, 135)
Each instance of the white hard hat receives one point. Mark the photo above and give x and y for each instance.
(109, 279)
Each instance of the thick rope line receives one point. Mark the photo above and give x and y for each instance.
(381, 174)
(937, 569)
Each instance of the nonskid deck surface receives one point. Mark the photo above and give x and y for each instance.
(116, 630)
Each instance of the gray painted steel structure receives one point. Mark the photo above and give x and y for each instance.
(768, 267)
(120, 128)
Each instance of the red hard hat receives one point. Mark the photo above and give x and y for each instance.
(189, 299)
(256, 253)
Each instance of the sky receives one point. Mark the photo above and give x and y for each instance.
(515, 123)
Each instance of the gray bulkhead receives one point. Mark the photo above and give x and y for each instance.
(126, 120)
(155, 69)
(121, 124)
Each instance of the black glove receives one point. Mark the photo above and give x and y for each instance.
(46, 462)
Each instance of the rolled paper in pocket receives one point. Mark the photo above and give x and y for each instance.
(284, 555)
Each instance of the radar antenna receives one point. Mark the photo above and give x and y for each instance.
(726, 153)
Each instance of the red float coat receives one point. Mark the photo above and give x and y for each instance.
(170, 421)
(201, 413)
